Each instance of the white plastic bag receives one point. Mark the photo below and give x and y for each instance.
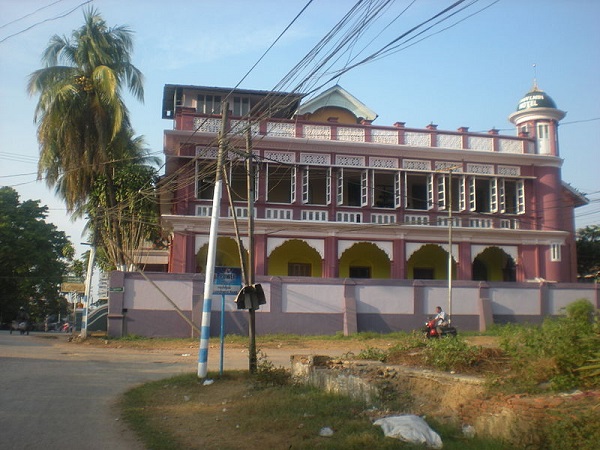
(410, 428)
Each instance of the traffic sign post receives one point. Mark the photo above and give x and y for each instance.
(227, 281)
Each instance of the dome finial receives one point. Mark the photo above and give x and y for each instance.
(535, 85)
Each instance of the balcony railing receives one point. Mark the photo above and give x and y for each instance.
(397, 135)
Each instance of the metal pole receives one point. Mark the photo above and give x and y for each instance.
(252, 358)
(212, 252)
(450, 246)
(86, 295)
(222, 335)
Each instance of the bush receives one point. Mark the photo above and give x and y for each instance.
(451, 353)
(553, 352)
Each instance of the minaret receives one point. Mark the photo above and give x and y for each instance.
(538, 116)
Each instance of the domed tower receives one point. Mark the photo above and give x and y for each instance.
(538, 116)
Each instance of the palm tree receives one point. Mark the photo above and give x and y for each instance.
(80, 113)
(80, 110)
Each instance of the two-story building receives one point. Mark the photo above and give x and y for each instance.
(336, 196)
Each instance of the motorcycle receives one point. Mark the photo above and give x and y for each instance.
(431, 332)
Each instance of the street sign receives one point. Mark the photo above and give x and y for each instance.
(227, 281)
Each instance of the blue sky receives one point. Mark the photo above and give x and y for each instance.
(471, 74)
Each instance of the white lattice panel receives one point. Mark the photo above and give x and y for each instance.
(417, 139)
(320, 132)
(209, 153)
(349, 217)
(416, 164)
(510, 146)
(383, 163)
(240, 126)
(481, 143)
(441, 166)
(449, 141)
(347, 160)
(281, 129)
(510, 171)
(282, 157)
(207, 125)
(482, 169)
(317, 159)
(351, 134)
(411, 219)
(384, 136)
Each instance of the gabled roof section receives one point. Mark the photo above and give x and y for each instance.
(338, 97)
(579, 199)
(281, 104)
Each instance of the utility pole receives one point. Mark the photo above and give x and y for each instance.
(450, 245)
(212, 249)
(252, 358)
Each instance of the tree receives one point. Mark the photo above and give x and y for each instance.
(84, 130)
(588, 252)
(34, 256)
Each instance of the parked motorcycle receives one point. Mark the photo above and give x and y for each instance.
(431, 332)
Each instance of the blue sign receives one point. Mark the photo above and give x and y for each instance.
(228, 280)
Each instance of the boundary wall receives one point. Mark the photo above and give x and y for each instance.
(148, 305)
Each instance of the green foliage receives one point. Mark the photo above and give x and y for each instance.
(572, 429)
(553, 352)
(588, 252)
(268, 375)
(33, 261)
(372, 354)
(451, 353)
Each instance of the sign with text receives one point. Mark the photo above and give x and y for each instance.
(228, 280)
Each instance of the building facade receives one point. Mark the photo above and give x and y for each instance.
(336, 196)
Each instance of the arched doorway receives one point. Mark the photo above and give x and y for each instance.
(430, 262)
(494, 264)
(227, 254)
(364, 260)
(295, 258)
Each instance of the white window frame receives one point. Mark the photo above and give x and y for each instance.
(555, 252)
(520, 197)
(340, 186)
(397, 189)
(364, 188)
(494, 195)
(305, 178)
(293, 178)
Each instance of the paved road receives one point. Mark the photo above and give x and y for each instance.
(59, 395)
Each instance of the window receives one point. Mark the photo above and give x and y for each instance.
(208, 104)
(383, 191)
(299, 269)
(281, 183)
(316, 185)
(423, 273)
(205, 181)
(555, 255)
(483, 195)
(241, 106)
(458, 192)
(359, 272)
(238, 181)
(512, 196)
(419, 191)
(352, 187)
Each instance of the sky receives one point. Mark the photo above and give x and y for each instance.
(469, 71)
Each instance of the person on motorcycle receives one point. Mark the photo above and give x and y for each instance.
(23, 320)
(441, 320)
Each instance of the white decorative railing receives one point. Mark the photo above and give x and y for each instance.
(281, 129)
(349, 217)
(412, 219)
(278, 214)
(383, 218)
(314, 216)
(443, 222)
(449, 141)
(351, 134)
(512, 224)
(322, 132)
(481, 223)
(207, 124)
(384, 136)
(417, 139)
(485, 144)
(203, 211)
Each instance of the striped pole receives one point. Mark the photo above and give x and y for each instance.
(212, 252)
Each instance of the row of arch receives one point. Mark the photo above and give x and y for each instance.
(296, 257)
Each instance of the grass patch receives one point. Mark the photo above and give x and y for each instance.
(232, 413)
